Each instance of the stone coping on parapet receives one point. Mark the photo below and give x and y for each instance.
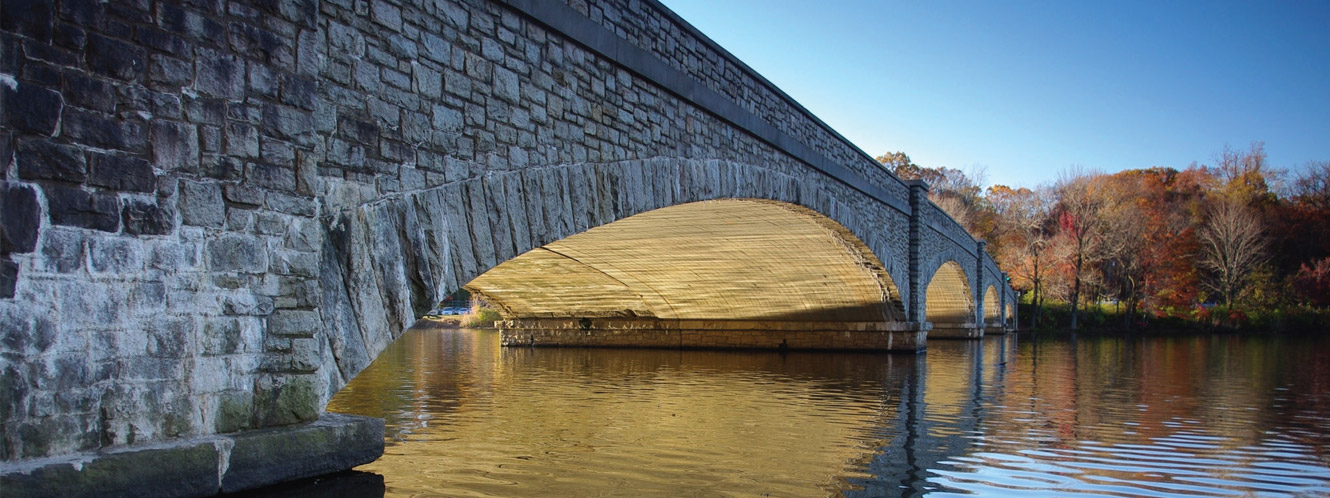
(206, 465)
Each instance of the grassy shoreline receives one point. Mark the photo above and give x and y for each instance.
(1218, 319)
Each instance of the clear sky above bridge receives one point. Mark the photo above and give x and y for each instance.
(1029, 88)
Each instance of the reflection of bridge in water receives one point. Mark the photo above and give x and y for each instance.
(843, 422)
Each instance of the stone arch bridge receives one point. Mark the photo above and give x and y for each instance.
(217, 212)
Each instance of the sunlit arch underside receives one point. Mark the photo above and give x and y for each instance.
(947, 300)
(992, 308)
(731, 259)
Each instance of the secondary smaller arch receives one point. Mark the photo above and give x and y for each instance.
(948, 303)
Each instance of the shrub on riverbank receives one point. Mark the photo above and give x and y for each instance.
(480, 317)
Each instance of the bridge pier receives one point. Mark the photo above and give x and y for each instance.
(712, 334)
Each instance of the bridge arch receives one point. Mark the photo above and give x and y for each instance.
(949, 302)
(992, 307)
(724, 259)
(389, 260)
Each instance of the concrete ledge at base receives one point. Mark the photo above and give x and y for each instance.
(995, 330)
(332, 443)
(712, 334)
(956, 331)
(604, 323)
(206, 465)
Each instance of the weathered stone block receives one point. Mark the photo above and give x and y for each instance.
(114, 58)
(190, 24)
(237, 252)
(239, 220)
(288, 122)
(141, 217)
(294, 323)
(270, 223)
(102, 131)
(234, 411)
(76, 207)
(387, 15)
(114, 255)
(90, 93)
(242, 140)
(201, 204)
(247, 304)
(20, 219)
(262, 81)
(240, 193)
(298, 91)
(219, 74)
(302, 264)
(32, 18)
(277, 152)
(271, 177)
(62, 251)
(175, 146)
(291, 204)
(170, 71)
(261, 44)
(42, 159)
(285, 400)
(8, 278)
(123, 173)
(31, 108)
(163, 41)
(305, 355)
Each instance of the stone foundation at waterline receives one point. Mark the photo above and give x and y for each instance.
(711, 334)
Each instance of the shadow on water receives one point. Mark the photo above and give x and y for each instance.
(349, 484)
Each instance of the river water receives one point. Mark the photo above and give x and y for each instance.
(1158, 417)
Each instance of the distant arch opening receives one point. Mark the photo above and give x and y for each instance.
(948, 304)
(992, 308)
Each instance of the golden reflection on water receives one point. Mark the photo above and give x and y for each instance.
(1105, 417)
(468, 417)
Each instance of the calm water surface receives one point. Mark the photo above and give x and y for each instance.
(1195, 416)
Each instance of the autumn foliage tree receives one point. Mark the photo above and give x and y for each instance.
(1156, 241)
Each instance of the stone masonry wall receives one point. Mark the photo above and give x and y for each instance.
(213, 213)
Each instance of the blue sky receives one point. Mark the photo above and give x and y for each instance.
(1026, 89)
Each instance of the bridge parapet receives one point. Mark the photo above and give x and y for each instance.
(674, 41)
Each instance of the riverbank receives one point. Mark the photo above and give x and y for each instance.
(1110, 320)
